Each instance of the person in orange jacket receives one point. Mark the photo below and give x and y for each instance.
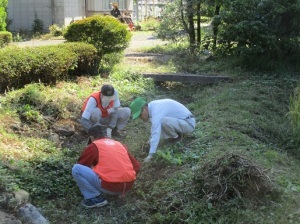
(104, 167)
(104, 107)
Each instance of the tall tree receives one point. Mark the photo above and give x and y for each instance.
(188, 12)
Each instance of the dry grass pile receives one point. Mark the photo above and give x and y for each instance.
(230, 177)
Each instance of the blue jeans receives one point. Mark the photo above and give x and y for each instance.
(88, 182)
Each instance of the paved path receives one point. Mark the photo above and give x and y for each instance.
(138, 40)
(33, 43)
(142, 39)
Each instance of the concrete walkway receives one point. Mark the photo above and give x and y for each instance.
(138, 40)
(33, 43)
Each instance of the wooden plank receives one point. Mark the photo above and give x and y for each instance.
(181, 77)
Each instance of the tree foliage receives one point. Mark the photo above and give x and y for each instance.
(260, 27)
(179, 18)
(3, 5)
(170, 25)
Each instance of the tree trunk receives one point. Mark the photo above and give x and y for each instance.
(191, 28)
(215, 27)
(198, 24)
(185, 26)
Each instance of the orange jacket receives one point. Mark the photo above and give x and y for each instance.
(96, 96)
(90, 158)
(114, 167)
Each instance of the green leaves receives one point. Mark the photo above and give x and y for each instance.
(106, 33)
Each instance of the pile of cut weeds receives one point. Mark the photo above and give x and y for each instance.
(230, 177)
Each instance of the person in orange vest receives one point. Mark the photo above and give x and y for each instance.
(104, 107)
(104, 167)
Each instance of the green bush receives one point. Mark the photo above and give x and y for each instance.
(3, 14)
(170, 26)
(264, 30)
(46, 64)
(5, 38)
(20, 66)
(150, 24)
(56, 31)
(87, 61)
(37, 27)
(7, 182)
(107, 62)
(106, 33)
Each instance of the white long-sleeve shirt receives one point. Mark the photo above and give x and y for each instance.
(158, 109)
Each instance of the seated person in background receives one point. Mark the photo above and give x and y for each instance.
(169, 119)
(115, 12)
(104, 107)
(104, 167)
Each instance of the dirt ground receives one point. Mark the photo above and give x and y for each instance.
(6, 218)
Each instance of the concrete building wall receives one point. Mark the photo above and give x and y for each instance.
(66, 11)
(22, 13)
(60, 12)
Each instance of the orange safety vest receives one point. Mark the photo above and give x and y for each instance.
(113, 165)
(96, 96)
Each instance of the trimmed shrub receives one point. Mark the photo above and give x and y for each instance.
(87, 61)
(20, 66)
(46, 64)
(5, 38)
(106, 33)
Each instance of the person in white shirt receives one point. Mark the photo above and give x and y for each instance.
(104, 107)
(169, 119)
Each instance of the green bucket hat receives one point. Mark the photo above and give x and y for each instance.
(136, 107)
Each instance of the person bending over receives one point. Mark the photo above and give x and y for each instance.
(104, 167)
(169, 119)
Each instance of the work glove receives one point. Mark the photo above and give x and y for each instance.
(149, 157)
(111, 110)
(108, 132)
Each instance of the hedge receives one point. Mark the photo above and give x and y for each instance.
(46, 64)
(5, 38)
